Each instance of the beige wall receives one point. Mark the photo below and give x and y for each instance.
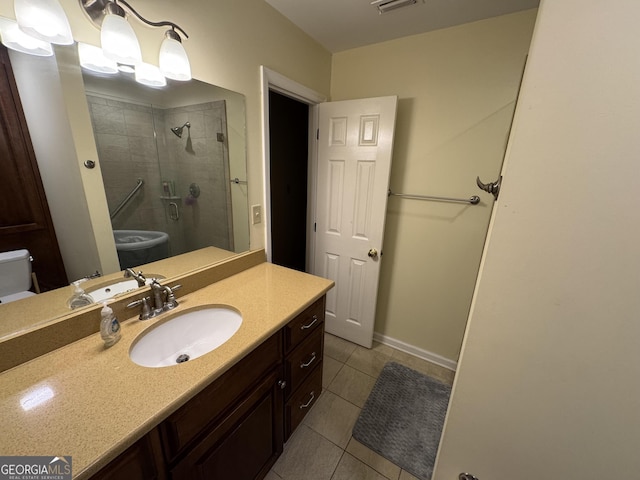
(547, 386)
(457, 89)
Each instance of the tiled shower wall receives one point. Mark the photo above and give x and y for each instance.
(199, 158)
(127, 150)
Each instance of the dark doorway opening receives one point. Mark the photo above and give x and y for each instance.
(288, 152)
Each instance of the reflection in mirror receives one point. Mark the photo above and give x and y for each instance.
(166, 166)
(185, 142)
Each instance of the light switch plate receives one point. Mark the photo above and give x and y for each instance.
(256, 214)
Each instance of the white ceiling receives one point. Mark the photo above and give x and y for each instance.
(343, 24)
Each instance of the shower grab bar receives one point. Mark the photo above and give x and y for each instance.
(127, 198)
(474, 200)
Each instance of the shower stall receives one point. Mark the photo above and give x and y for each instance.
(180, 153)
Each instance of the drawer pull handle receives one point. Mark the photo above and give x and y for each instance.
(315, 319)
(282, 384)
(313, 359)
(306, 405)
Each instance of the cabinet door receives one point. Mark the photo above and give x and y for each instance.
(141, 461)
(245, 444)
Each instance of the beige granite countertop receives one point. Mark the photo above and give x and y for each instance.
(101, 402)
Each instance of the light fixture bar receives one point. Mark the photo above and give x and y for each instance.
(163, 23)
(385, 6)
(95, 10)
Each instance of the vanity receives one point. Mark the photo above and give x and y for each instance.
(229, 410)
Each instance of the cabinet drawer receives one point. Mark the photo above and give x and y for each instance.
(302, 400)
(208, 406)
(301, 362)
(303, 325)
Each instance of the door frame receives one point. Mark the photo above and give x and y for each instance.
(272, 80)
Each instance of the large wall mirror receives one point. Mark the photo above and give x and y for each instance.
(168, 177)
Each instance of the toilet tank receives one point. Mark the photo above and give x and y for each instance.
(15, 272)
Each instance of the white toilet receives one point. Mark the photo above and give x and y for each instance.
(15, 275)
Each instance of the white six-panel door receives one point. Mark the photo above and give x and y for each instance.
(354, 162)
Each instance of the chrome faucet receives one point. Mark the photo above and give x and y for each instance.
(162, 299)
(139, 277)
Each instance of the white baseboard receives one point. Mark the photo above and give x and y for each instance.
(415, 351)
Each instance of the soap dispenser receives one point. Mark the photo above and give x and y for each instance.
(109, 326)
(79, 297)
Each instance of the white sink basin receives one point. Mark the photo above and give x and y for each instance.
(106, 292)
(185, 336)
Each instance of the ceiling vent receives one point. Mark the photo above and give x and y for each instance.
(385, 6)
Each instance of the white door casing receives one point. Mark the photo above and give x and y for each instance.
(354, 162)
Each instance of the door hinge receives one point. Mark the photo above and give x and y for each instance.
(317, 134)
(314, 226)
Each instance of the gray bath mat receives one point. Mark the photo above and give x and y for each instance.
(403, 417)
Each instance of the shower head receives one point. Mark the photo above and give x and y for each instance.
(178, 130)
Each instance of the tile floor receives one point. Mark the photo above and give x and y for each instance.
(322, 447)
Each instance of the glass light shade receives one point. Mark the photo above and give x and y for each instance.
(174, 63)
(150, 75)
(119, 41)
(92, 58)
(126, 68)
(16, 39)
(44, 20)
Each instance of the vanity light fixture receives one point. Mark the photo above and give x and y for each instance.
(44, 20)
(120, 43)
(92, 58)
(117, 38)
(38, 24)
(173, 60)
(149, 75)
(385, 6)
(15, 39)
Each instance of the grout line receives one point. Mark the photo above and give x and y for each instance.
(337, 464)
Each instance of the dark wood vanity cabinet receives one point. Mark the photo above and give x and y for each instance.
(235, 428)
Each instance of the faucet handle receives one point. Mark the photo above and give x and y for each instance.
(145, 312)
(139, 277)
(171, 298)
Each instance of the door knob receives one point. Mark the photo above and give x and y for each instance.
(491, 187)
(373, 253)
